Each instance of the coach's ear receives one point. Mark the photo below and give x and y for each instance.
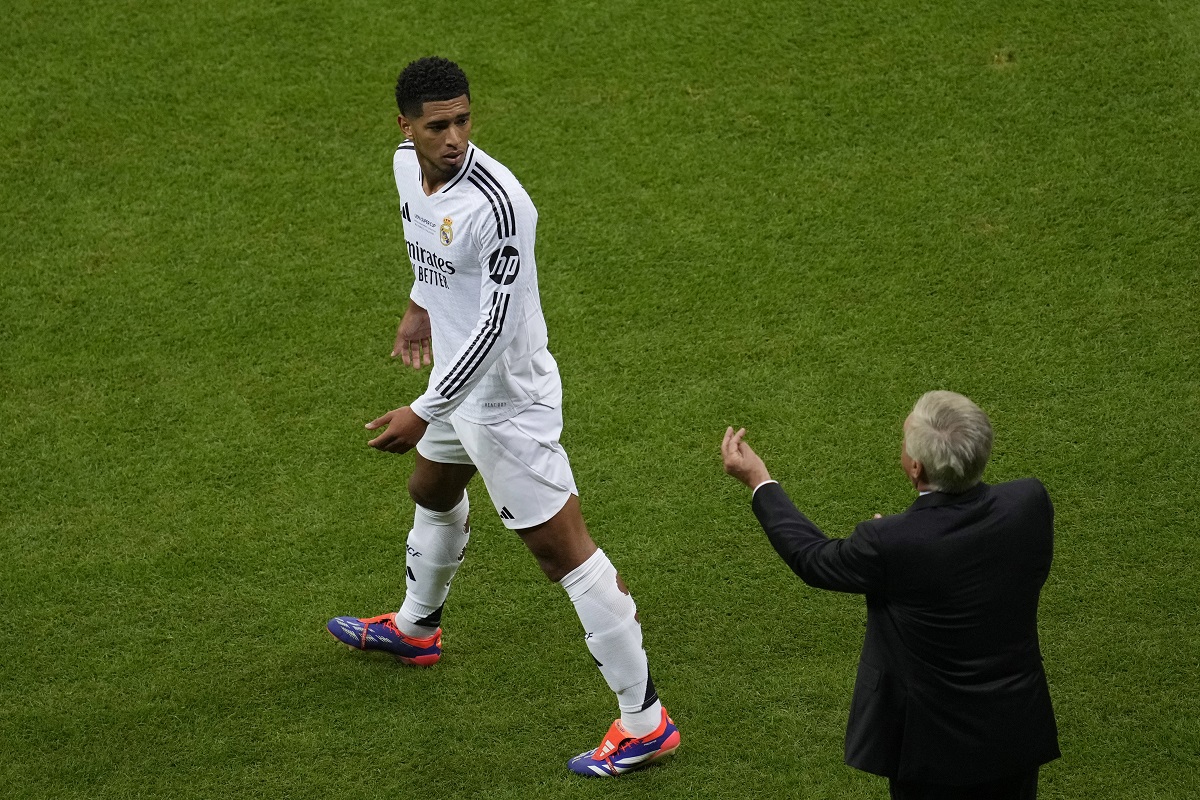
(915, 471)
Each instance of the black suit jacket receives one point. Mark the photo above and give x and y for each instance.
(950, 686)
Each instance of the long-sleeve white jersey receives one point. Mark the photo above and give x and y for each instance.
(471, 246)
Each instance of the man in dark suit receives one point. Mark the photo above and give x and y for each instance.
(950, 701)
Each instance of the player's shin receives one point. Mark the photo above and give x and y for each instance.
(614, 638)
(437, 545)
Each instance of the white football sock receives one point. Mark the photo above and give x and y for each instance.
(437, 544)
(614, 638)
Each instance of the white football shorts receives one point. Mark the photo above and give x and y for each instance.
(523, 466)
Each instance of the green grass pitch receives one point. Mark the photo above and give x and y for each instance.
(791, 216)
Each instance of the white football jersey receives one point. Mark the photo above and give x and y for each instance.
(471, 247)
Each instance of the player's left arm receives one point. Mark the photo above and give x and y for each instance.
(402, 429)
(505, 244)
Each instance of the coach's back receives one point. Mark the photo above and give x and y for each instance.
(950, 686)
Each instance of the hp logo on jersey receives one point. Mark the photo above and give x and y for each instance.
(504, 265)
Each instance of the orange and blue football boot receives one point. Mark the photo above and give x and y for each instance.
(620, 751)
(381, 633)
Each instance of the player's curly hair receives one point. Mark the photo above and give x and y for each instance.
(429, 79)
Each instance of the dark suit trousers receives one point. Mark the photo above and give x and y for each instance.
(1018, 787)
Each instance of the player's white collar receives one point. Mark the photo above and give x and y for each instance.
(467, 164)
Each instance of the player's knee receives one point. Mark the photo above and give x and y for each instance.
(559, 552)
(433, 496)
(555, 563)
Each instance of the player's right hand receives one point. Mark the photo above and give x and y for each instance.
(414, 342)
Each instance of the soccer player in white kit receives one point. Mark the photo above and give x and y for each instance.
(493, 405)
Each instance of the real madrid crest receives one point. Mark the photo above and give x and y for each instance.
(446, 233)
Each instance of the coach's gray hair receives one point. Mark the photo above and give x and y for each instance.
(952, 438)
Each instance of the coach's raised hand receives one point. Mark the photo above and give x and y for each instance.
(403, 430)
(741, 462)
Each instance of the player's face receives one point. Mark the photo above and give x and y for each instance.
(440, 135)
